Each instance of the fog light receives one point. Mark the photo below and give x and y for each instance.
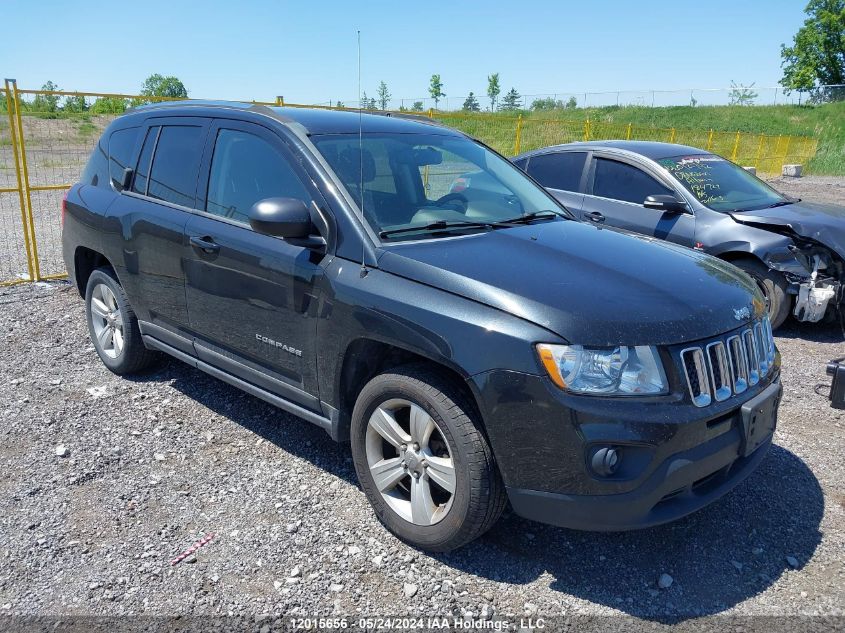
(605, 461)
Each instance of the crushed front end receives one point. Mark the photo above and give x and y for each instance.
(815, 274)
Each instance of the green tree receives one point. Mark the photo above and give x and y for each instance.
(817, 54)
(75, 103)
(512, 100)
(367, 103)
(158, 86)
(493, 90)
(109, 105)
(340, 104)
(383, 95)
(435, 89)
(471, 104)
(417, 107)
(548, 103)
(741, 94)
(572, 103)
(46, 103)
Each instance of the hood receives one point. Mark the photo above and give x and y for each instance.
(824, 223)
(590, 286)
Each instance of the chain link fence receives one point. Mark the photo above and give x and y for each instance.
(749, 94)
(46, 138)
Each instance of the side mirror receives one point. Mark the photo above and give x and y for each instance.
(281, 217)
(665, 203)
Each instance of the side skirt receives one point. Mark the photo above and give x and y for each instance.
(315, 418)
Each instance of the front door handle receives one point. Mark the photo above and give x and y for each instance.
(594, 216)
(205, 244)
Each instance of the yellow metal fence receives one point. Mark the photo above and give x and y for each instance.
(46, 138)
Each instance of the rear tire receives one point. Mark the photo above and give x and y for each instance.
(113, 325)
(447, 461)
(773, 285)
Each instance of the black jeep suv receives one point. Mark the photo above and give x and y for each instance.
(473, 347)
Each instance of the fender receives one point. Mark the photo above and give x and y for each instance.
(416, 318)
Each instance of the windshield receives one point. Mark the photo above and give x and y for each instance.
(436, 183)
(720, 184)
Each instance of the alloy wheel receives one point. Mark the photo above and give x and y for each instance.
(107, 321)
(410, 462)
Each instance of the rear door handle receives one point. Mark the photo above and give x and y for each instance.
(205, 244)
(594, 216)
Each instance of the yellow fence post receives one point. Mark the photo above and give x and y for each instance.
(672, 136)
(13, 138)
(759, 152)
(710, 141)
(628, 133)
(785, 158)
(736, 148)
(518, 142)
(431, 113)
(587, 130)
(36, 266)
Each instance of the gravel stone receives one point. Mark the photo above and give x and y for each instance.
(665, 581)
(410, 590)
(62, 451)
(105, 516)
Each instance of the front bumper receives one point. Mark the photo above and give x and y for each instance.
(679, 457)
(683, 484)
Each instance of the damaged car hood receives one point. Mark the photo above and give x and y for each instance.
(824, 223)
(589, 285)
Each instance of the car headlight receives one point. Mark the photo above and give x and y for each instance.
(618, 371)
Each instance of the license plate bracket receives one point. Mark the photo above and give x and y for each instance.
(759, 418)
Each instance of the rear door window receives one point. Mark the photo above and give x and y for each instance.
(121, 147)
(142, 170)
(173, 175)
(560, 170)
(621, 181)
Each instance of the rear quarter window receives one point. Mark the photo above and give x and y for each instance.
(97, 169)
(121, 147)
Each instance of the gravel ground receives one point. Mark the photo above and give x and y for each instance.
(812, 188)
(155, 462)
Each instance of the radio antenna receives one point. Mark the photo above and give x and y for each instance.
(364, 269)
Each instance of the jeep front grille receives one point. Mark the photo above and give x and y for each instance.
(726, 367)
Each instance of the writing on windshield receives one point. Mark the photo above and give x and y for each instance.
(696, 174)
(720, 184)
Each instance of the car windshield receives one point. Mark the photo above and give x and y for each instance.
(720, 184)
(422, 186)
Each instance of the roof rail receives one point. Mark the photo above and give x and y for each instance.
(198, 103)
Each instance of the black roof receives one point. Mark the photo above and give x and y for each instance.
(649, 149)
(319, 120)
(322, 121)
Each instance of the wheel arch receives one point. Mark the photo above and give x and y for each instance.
(86, 261)
(365, 358)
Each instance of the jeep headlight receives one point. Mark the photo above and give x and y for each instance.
(616, 371)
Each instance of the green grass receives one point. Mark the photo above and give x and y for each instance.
(824, 122)
(86, 129)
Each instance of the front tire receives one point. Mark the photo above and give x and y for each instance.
(422, 461)
(773, 285)
(113, 325)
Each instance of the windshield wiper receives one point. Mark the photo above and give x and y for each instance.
(440, 225)
(546, 214)
(783, 203)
